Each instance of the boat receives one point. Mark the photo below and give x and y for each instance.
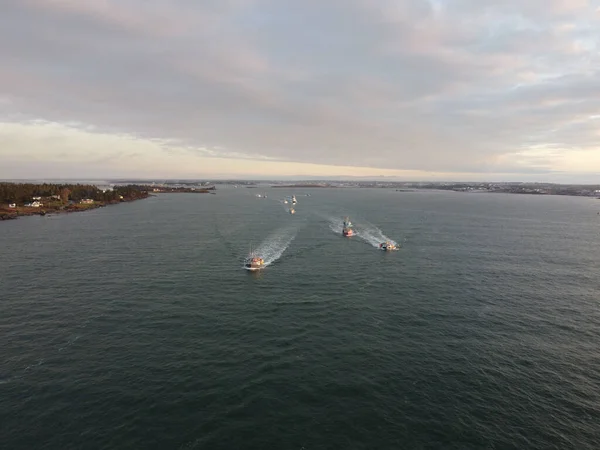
(347, 228)
(388, 246)
(294, 201)
(285, 202)
(292, 211)
(253, 262)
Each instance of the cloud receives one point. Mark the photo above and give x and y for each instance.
(433, 86)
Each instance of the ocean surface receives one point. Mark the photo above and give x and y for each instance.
(136, 327)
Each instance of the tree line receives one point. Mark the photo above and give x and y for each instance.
(21, 193)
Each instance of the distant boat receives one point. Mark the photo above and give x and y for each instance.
(285, 202)
(294, 201)
(347, 228)
(292, 211)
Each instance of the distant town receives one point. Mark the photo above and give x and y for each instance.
(578, 190)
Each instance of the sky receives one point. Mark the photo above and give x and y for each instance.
(505, 90)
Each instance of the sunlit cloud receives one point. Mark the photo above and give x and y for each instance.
(404, 88)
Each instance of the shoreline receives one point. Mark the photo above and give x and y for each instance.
(440, 189)
(7, 214)
(30, 199)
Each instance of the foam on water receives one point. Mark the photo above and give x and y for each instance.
(276, 244)
(335, 223)
(373, 235)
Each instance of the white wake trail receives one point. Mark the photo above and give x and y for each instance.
(275, 245)
(373, 235)
(335, 224)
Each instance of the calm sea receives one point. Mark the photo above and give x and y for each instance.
(136, 327)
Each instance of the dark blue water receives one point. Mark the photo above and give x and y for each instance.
(135, 326)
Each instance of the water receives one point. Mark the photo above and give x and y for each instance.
(135, 326)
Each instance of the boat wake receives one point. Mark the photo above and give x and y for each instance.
(335, 224)
(275, 245)
(285, 206)
(373, 235)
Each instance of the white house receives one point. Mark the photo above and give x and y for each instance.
(37, 198)
(36, 204)
(12, 205)
(87, 201)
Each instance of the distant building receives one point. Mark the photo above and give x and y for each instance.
(12, 205)
(87, 201)
(35, 204)
(56, 197)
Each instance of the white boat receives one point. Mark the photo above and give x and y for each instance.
(292, 211)
(294, 201)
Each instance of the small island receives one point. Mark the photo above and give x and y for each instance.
(28, 199)
(181, 189)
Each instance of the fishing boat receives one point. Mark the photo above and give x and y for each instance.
(347, 228)
(294, 201)
(388, 246)
(253, 262)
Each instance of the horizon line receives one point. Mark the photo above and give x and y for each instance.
(287, 180)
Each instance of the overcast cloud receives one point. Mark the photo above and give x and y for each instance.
(506, 88)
